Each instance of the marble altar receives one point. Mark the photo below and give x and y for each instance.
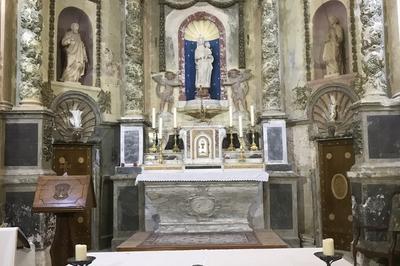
(203, 200)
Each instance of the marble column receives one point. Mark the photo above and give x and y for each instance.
(373, 49)
(134, 87)
(272, 102)
(30, 52)
(7, 52)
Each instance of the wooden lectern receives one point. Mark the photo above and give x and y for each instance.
(69, 198)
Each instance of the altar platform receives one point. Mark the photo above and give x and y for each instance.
(150, 241)
(231, 257)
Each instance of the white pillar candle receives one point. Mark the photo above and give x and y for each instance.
(160, 128)
(240, 127)
(328, 247)
(153, 118)
(80, 252)
(174, 111)
(252, 115)
(230, 116)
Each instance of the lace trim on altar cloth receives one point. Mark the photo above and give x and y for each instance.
(208, 175)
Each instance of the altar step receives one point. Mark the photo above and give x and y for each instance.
(150, 241)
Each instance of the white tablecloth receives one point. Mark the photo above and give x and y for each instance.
(228, 257)
(203, 175)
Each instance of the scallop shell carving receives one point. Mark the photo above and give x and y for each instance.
(63, 124)
(201, 28)
(332, 113)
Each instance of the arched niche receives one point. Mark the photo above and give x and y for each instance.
(330, 111)
(66, 17)
(218, 47)
(320, 34)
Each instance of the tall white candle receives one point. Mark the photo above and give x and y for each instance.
(80, 252)
(174, 111)
(328, 247)
(230, 116)
(160, 128)
(252, 115)
(153, 118)
(240, 127)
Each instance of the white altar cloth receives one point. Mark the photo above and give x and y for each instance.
(228, 257)
(203, 175)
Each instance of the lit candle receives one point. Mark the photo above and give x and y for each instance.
(252, 115)
(80, 252)
(328, 247)
(153, 118)
(160, 128)
(230, 116)
(240, 127)
(174, 111)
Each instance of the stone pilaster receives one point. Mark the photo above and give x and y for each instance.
(373, 49)
(134, 87)
(30, 52)
(272, 102)
(7, 52)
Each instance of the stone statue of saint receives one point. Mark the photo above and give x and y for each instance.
(76, 55)
(333, 48)
(203, 58)
(168, 81)
(333, 109)
(237, 79)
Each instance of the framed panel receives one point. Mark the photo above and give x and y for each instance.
(275, 144)
(131, 145)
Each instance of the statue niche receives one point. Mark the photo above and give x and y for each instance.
(330, 41)
(74, 47)
(201, 56)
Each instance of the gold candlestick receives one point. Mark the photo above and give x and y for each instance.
(231, 147)
(253, 137)
(153, 148)
(160, 149)
(176, 147)
(242, 158)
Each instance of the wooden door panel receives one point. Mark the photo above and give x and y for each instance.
(336, 158)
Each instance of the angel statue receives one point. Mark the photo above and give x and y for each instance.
(237, 79)
(169, 80)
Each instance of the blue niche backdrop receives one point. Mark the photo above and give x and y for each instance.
(190, 70)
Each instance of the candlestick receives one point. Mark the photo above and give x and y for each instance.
(160, 149)
(174, 111)
(252, 115)
(80, 252)
(153, 118)
(231, 147)
(160, 127)
(240, 127)
(328, 247)
(230, 116)
(253, 137)
(176, 147)
(153, 148)
(242, 157)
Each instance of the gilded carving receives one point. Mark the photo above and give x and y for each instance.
(134, 57)
(30, 15)
(306, 13)
(47, 150)
(270, 56)
(372, 49)
(302, 94)
(353, 36)
(104, 101)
